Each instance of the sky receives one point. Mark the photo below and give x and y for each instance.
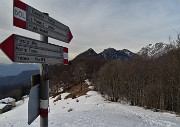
(101, 24)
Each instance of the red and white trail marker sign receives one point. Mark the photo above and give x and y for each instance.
(31, 19)
(26, 50)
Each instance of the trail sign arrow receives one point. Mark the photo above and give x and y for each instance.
(26, 50)
(31, 19)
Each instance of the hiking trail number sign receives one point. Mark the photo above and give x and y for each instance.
(26, 50)
(31, 19)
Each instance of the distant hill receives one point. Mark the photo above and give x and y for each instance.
(108, 54)
(15, 69)
(9, 83)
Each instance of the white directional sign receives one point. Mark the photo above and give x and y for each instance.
(26, 50)
(31, 19)
(33, 104)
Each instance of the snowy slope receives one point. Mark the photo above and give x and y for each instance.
(91, 111)
(154, 51)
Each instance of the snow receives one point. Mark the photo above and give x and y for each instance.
(91, 111)
(155, 50)
(7, 100)
(88, 82)
(2, 106)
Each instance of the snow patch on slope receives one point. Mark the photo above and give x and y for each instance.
(155, 50)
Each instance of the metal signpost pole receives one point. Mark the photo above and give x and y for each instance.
(44, 90)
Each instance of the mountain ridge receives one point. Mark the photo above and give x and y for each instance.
(7, 83)
(15, 69)
(109, 54)
(113, 54)
(150, 51)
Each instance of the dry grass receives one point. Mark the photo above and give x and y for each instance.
(75, 91)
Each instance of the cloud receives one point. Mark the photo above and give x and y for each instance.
(100, 24)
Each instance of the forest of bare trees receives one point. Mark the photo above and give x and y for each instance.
(151, 83)
(75, 73)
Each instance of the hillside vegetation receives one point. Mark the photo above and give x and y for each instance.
(148, 82)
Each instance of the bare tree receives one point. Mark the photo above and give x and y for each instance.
(79, 73)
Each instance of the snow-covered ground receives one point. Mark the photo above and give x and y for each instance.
(91, 111)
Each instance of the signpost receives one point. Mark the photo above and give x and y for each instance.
(31, 19)
(44, 90)
(26, 50)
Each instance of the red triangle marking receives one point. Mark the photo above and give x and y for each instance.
(7, 47)
(70, 36)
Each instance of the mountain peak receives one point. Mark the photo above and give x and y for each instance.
(114, 54)
(150, 45)
(154, 50)
(88, 53)
(110, 49)
(90, 50)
